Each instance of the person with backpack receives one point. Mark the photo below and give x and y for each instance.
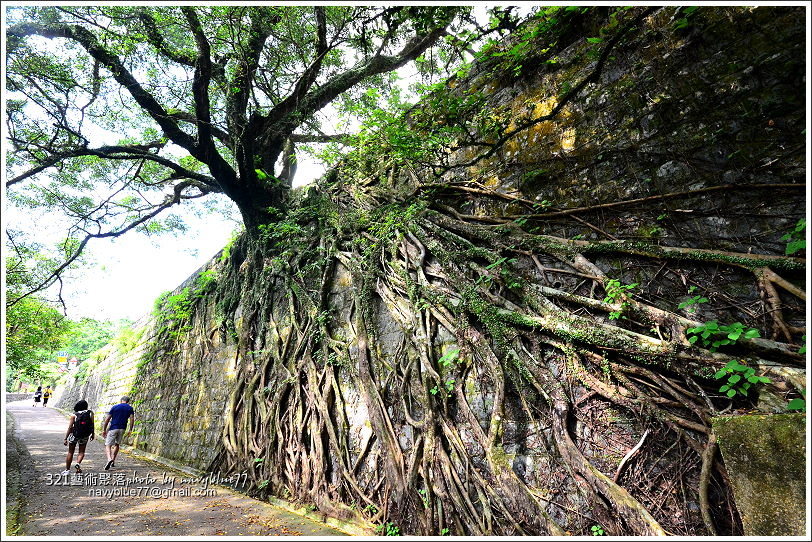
(46, 394)
(81, 429)
(37, 395)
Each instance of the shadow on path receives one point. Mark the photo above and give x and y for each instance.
(135, 497)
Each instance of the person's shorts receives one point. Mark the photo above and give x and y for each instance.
(72, 439)
(114, 436)
(36, 399)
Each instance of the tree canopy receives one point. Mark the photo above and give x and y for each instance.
(118, 114)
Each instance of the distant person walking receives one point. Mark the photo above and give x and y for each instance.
(81, 429)
(113, 435)
(46, 394)
(37, 395)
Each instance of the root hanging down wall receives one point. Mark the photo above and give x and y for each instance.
(513, 313)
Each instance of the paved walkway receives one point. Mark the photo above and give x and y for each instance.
(136, 497)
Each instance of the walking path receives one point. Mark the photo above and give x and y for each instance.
(136, 497)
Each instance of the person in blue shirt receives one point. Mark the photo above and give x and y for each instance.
(114, 426)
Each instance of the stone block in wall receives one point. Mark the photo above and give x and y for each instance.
(765, 456)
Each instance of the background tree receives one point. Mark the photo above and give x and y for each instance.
(34, 330)
(88, 335)
(122, 113)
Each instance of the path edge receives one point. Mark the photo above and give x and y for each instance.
(18, 463)
(352, 528)
(346, 527)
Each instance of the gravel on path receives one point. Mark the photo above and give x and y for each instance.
(136, 497)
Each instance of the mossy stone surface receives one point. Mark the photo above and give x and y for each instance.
(765, 456)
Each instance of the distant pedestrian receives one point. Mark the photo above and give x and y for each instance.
(46, 394)
(117, 421)
(37, 395)
(81, 429)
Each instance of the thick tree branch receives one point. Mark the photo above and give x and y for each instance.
(156, 39)
(318, 98)
(200, 84)
(119, 152)
(221, 170)
(113, 63)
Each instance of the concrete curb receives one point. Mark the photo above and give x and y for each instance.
(17, 457)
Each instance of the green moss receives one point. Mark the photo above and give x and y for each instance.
(765, 457)
(502, 459)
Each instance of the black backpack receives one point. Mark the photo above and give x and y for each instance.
(83, 424)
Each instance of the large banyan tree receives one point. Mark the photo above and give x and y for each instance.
(514, 307)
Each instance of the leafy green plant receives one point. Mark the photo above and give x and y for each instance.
(796, 239)
(445, 531)
(714, 335)
(740, 378)
(802, 349)
(449, 358)
(597, 530)
(263, 484)
(226, 252)
(388, 529)
(616, 291)
(448, 387)
(798, 403)
(424, 497)
(683, 21)
(692, 301)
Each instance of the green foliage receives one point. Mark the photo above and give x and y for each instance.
(682, 22)
(533, 41)
(34, 329)
(505, 274)
(615, 291)
(424, 497)
(740, 378)
(693, 301)
(174, 311)
(445, 531)
(714, 335)
(224, 255)
(388, 529)
(261, 56)
(447, 388)
(796, 239)
(597, 530)
(88, 335)
(448, 358)
(798, 403)
(85, 369)
(127, 339)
